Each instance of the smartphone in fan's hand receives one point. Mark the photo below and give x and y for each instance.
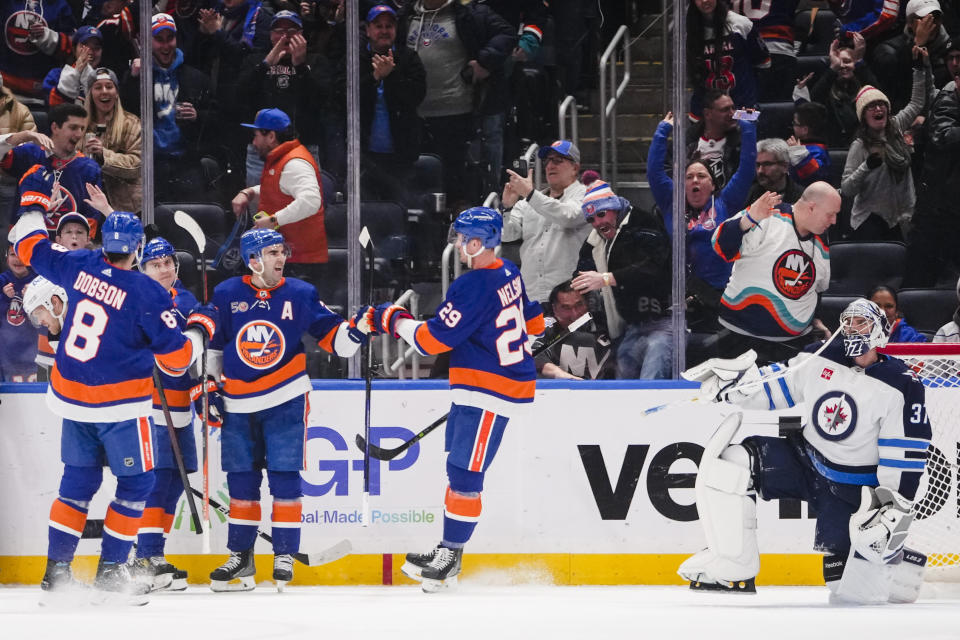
(520, 166)
(746, 114)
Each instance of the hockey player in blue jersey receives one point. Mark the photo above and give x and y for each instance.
(119, 322)
(159, 262)
(857, 460)
(484, 323)
(265, 385)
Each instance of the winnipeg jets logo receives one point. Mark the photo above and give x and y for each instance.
(260, 344)
(835, 415)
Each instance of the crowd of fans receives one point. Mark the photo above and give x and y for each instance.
(250, 95)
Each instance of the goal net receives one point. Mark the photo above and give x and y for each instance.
(936, 530)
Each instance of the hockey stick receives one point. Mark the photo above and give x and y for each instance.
(389, 454)
(367, 354)
(744, 386)
(239, 224)
(337, 551)
(177, 454)
(190, 225)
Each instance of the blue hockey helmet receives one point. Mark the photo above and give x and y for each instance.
(863, 326)
(122, 233)
(254, 241)
(483, 223)
(158, 248)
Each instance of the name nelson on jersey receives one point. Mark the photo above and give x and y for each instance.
(97, 289)
(510, 292)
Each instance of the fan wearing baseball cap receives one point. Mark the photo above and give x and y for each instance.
(549, 223)
(73, 231)
(69, 83)
(288, 197)
(893, 59)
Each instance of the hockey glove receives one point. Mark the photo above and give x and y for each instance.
(36, 190)
(387, 315)
(721, 379)
(204, 317)
(215, 413)
(361, 324)
(879, 528)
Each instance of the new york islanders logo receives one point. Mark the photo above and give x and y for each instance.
(835, 415)
(15, 314)
(16, 31)
(260, 344)
(794, 274)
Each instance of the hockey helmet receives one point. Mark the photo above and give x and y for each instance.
(254, 241)
(123, 233)
(38, 293)
(483, 223)
(864, 326)
(159, 248)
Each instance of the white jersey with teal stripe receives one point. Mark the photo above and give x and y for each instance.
(777, 276)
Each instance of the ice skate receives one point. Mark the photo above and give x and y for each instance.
(702, 569)
(178, 577)
(441, 574)
(239, 566)
(282, 570)
(415, 563)
(59, 586)
(145, 572)
(115, 585)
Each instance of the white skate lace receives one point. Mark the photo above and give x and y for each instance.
(442, 558)
(284, 561)
(234, 561)
(158, 561)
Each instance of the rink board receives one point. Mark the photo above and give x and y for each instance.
(584, 489)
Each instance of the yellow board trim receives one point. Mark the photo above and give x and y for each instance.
(498, 568)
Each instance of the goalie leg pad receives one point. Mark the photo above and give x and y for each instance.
(862, 582)
(906, 577)
(727, 512)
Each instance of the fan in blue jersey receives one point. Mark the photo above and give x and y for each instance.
(150, 566)
(18, 337)
(119, 322)
(857, 460)
(265, 385)
(484, 323)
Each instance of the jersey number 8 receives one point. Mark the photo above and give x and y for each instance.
(89, 322)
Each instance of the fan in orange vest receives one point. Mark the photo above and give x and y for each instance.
(289, 194)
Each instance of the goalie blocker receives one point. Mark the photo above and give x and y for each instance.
(857, 460)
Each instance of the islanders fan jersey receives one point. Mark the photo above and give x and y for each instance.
(177, 388)
(775, 20)
(862, 426)
(117, 321)
(259, 332)
(484, 322)
(18, 337)
(777, 275)
(72, 177)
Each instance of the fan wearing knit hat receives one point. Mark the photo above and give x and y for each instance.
(627, 259)
(877, 172)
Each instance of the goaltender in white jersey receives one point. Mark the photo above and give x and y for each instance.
(857, 460)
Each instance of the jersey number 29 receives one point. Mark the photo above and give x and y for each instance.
(512, 318)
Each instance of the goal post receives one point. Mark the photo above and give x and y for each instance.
(936, 530)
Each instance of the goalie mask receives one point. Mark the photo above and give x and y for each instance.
(863, 326)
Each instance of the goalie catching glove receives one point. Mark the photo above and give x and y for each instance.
(726, 380)
(879, 528)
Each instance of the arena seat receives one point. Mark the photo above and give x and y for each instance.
(815, 41)
(838, 160)
(855, 267)
(927, 309)
(212, 219)
(831, 306)
(775, 120)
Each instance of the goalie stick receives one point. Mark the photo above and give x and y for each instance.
(190, 225)
(745, 386)
(367, 354)
(315, 559)
(389, 454)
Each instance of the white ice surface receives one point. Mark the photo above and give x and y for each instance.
(478, 611)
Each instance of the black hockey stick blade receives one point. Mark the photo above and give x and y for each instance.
(389, 454)
(92, 528)
(314, 559)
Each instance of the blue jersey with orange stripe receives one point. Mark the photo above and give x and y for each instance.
(775, 20)
(484, 322)
(776, 279)
(259, 333)
(177, 388)
(117, 321)
(72, 177)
